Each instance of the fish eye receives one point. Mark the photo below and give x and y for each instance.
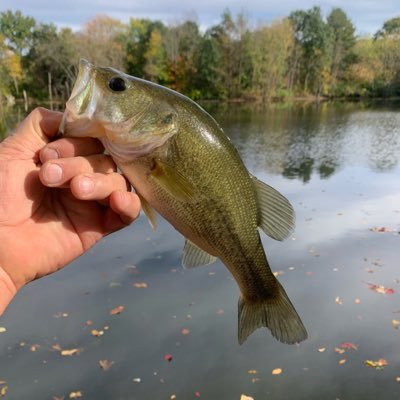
(117, 84)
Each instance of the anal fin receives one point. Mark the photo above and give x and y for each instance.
(193, 256)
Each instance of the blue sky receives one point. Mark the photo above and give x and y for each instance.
(367, 15)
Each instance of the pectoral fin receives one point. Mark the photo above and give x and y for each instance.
(276, 214)
(149, 211)
(172, 181)
(193, 256)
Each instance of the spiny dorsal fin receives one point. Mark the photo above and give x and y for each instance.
(276, 214)
(172, 181)
(149, 212)
(193, 256)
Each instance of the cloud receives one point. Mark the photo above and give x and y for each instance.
(367, 15)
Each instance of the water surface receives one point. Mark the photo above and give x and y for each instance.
(339, 166)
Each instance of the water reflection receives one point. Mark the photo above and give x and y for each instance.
(302, 140)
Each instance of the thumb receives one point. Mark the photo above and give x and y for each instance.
(35, 130)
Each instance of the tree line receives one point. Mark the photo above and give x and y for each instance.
(305, 54)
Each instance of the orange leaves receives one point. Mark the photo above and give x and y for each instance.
(276, 371)
(380, 289)
(117, 310)
(379, 364)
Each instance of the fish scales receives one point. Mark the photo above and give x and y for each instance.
(182, 165)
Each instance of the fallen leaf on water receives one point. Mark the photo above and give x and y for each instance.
(95, 332)
(105, 364)
(168, 357)
(348, 346)
(322, 349)
(58, 397)
(117, 310)
(276, 371)
(278, 273)
(379, 364)
(395, 323)
(173, 397)
(252, 371)
(137, 380)
(381, 229)
(338, 300)
(357, 301)
(70, 352)
(397, 378)
(244, 397)
(3, 391)
(342, 361)
(185, 331)
(75, 395)
(2, 329)
(340, 351)
(380, 289)
(61, 315)
(34, 347)
(142, 285)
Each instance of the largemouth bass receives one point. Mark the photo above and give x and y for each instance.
(182, 165)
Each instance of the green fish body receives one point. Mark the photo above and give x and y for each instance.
(182, 165)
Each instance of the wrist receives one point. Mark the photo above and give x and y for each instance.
(7, 290)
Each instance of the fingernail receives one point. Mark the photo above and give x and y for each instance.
(52, 173)
(86, 185)
(48, 154)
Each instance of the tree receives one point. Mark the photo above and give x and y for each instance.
(390, 27)
(312, 36)
(155, 68)
(17, 31)
(342, 36)
(181, 43)
(272, 46)
(101, 41)
(136, 42)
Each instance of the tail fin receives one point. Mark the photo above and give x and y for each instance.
(276, 313)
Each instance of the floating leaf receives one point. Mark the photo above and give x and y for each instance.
(397, 378)
(380, 289)
(95, 332)
(141, 285)
(117, 310)
(75, 395)
(70, 352)
(395, 323)
(348, 346)
(381, 229)
(3, 391)
(252, 371)
(340, 351)
(244, 397)
(34, 347)
(338, 300)
(168, 357)
(137, 380)
(105, 365)
(173, 397)
(357, 301)
(276, 371)
(342, 361)
(185, 331)
(379, 364)
(322, 349)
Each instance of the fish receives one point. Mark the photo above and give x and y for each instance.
(185, 168)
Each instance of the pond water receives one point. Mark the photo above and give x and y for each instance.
(339, 166)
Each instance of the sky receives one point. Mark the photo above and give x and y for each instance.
(367, 16)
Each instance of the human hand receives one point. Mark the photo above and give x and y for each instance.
(57, 198)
